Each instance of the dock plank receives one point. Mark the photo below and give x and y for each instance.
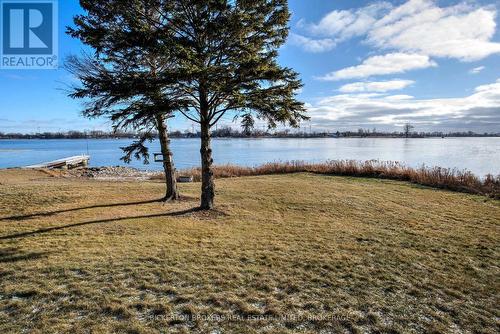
(69, 162)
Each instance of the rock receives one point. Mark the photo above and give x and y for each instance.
(112, 173)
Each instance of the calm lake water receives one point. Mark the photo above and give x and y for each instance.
(479, 155)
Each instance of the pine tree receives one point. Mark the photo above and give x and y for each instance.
(127, 77)
(227, 65)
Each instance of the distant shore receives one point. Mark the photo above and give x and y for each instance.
(270, 137)
(227, 132)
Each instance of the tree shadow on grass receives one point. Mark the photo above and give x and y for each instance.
(101, 221)
(10, 255)
(51, 213)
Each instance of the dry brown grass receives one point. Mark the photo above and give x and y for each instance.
(283, 254)
(437, 177)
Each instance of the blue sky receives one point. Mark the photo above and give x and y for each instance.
(370, 64)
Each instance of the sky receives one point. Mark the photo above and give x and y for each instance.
(364, 64)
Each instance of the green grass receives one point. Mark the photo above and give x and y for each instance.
(281, 254)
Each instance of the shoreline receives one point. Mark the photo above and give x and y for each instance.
(275, 137)
(434, 177)
(475, 154)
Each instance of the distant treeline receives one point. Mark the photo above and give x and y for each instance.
(68, 135)
(229, 132)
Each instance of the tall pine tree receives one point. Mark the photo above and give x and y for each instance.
(128, 78)
(227, 64)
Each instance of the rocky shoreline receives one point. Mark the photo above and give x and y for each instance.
(114, 173)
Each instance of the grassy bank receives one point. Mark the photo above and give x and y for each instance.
(437, 177)
(282, 253)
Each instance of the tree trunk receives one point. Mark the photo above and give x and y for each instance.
(207, 175)
(168, 165)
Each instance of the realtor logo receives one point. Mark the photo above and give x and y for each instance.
(28, 34)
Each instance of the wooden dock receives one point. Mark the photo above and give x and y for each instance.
(65, 163)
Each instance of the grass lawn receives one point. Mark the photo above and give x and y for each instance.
(281, 254)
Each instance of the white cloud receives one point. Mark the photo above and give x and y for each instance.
(480, 110)
(459, 32)
(344, 24)
(375, 86)
(463, 31)
(477, 70)
(399, 97)
(411, 7)
(381, 65)
(312, 45)
(495, 87)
